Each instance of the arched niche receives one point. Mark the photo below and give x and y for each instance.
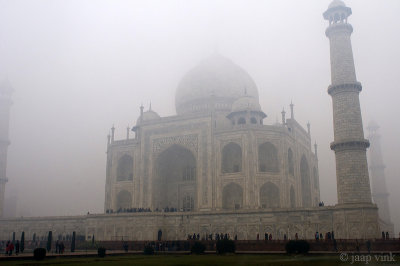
(231, 158)
(125, 168)
(232, 197)
(269, 196)
(268, 158)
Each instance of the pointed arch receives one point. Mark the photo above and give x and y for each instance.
(125, 168)
(269, 196)
(231, 158)
(305, 182)
(175, 179)
(268, 158)
(232, 197)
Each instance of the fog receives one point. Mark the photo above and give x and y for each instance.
(79, 67)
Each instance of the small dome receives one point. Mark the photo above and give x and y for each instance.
(337, 3)
(148, 116)
(246, 103)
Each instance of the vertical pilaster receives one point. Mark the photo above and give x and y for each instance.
(349, 143)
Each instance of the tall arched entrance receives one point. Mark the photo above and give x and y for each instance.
(174, 182)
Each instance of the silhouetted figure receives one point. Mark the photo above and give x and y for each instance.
(125, 246)
(57, 247)
(369, 246)
(10, 249)
(17, 247)
(61, 248)
(387, 235)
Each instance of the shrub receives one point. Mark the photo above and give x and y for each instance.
(297, 247)
(225, 246)
(148, 250)
(198, 248)
(101, 252)
(39, 253)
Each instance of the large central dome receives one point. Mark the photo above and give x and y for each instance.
(215, 83)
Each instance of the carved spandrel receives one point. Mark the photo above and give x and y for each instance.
(188, 141)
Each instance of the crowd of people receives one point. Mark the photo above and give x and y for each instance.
(386, 235)
(328, 236)
(166, 209)
(60, 247)
(10, 247)
(123, 210)
(217, 236)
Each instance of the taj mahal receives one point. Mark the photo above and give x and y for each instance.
(216, 166)
(215, 154)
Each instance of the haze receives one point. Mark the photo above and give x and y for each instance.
(79, 67)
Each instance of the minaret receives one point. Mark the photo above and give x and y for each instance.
(377, 169)
(5, 104)
(349, 144)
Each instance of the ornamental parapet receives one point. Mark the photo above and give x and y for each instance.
(350, 145)
(338, 28)
(346, 87)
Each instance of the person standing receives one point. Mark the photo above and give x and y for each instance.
(7, 247)
(57, 247)
(61, 248)
(10, 248)
(17, 248)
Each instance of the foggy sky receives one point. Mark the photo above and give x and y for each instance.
(78, 67)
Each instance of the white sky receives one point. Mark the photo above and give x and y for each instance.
(78, 67)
